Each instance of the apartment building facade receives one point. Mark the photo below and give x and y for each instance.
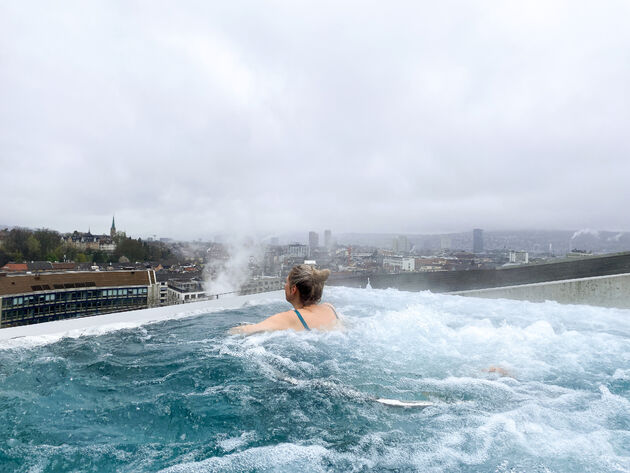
(33, 298)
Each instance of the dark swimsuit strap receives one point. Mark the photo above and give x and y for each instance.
(301, 319)
(304, 322)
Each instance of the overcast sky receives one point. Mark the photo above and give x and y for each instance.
(185, 119)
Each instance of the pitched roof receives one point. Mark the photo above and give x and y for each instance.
(66, 266)
(15, 267)
(39, 266)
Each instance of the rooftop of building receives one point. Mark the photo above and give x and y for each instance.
(28, 283)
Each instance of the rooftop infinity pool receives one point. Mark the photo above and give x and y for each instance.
(181, 395)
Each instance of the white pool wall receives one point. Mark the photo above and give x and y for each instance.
(602, 291)
(134, 318)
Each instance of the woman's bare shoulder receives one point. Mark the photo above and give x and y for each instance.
(331, 307)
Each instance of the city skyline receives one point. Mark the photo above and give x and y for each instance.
(553, 242)
(418, 118)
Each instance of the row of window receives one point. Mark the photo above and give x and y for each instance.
(23, 315)
(72, 296)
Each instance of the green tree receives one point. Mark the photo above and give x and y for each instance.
(49, 240)
(15, 243)
(33, 248)
(17, 256)
(81, 258)
(99, 256)
(67, 252)
(4, 257)
(132, 249)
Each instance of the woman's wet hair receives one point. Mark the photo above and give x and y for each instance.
(309, 282)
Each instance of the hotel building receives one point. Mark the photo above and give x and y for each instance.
(33, 298)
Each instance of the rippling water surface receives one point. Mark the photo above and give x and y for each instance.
(183, 396)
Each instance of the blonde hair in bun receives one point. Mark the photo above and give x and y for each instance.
(309, 282)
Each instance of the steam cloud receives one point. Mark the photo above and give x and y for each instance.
(228, 275)
(585, 231)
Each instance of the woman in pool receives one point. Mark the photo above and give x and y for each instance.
(303, 290)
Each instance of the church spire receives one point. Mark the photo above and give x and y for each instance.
(112, 231)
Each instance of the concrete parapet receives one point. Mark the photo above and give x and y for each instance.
(603, 291)
(482, 279)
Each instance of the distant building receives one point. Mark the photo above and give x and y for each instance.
(182, 291)
(519, 257)
(112, 230)
(401, 244)
(327, 238)
(398, 263)
(217, 251)
(88, 241)
(44, 297)
(431, 264)
(445, 243)
(163, 291)
(262, 284)
(298, 250)
(477, 240)
(313, 241)
(38, 266)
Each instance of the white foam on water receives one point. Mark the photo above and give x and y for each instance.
(398, 403)
(623, 374)
(281, 457)
(552, 401)
(233, 443)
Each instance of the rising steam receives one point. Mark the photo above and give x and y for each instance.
(226, 275)
(585, 231)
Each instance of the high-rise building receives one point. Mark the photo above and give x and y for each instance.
(313, 240)
(445, 242)
(477, 240)
(401, 244)
(327, 238)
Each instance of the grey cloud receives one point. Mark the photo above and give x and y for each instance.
(194, 119)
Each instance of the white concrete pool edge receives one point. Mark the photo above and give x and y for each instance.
(612, 291)
(137, 317)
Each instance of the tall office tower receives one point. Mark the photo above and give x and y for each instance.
(313, 241)
(445, 243)
(327, 238)
(403, 244)
(400, 244)
(477, 240)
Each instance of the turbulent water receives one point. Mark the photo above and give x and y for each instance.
(183, 396)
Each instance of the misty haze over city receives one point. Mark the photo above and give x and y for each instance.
(194, 119)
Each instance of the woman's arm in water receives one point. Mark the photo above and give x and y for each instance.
(280, 321)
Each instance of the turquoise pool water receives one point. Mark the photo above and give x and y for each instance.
(183, 396)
